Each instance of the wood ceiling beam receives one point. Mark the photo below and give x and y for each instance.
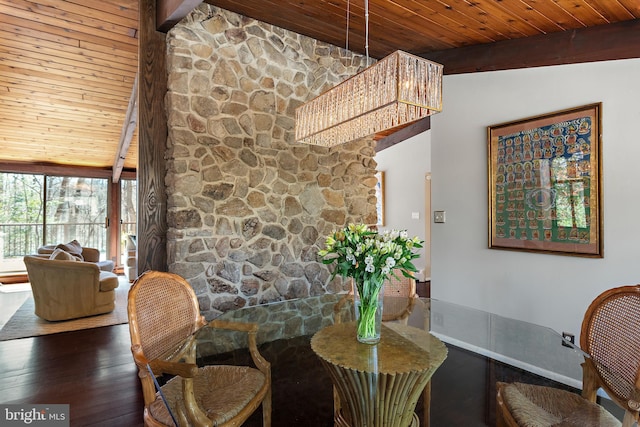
(56, 169)
(404, 133)
(128, 128)
(170, 12)
(600, 43)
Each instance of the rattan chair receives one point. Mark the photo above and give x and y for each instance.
(399, 285)
(404, 288)
(610, 333)
(163, 315)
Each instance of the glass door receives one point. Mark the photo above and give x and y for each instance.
(128, 219)
(76, 209)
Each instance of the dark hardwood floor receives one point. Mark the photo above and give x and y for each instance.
(93, 371)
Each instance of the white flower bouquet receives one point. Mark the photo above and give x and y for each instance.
(369, 257)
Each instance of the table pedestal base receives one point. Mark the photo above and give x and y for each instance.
(378, 385)
(373, 399)
(340, 421)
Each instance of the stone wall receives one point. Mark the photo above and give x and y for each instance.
(248, 207)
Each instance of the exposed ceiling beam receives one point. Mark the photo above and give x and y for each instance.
(404, 133)
(54, 169)
(599, 43)
(128, 128)
(170, 12)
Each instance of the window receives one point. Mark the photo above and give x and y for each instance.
(21, 218)
(76, 208)
(38, 209)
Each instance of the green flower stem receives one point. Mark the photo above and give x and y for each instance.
(367, 321)
(366, 325)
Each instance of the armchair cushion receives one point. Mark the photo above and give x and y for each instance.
(539, 406)
(108, 281)
(62, 255)
(223, 390)
(81, 253)
(73, 247)
(91, 254)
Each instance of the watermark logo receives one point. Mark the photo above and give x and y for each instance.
(34, 415)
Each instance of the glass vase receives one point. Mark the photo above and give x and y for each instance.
(368, 300)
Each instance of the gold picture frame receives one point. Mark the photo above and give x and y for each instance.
(545, 183)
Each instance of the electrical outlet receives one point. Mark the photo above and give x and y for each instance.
(438, 216)
(568, 338)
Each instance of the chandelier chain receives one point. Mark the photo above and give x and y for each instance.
(348, 13)
(366, 29)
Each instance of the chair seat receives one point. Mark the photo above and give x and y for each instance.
(222, 391)
(539, 406)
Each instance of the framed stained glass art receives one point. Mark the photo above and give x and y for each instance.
(545, 183)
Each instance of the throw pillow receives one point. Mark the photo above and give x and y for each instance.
(60, 254)
(73, 247)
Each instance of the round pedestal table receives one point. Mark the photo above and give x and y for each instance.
(378, 385)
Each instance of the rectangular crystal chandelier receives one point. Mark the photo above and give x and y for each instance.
(397, 90)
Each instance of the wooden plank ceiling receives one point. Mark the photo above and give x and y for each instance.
(67, 70)
(67, 67)
(423, 26)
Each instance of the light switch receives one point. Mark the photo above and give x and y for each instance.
(415, 215)
(438, 216)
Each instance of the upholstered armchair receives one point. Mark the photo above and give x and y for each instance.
(64, 289)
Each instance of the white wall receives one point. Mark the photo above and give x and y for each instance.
(405, 166)
(550, 290)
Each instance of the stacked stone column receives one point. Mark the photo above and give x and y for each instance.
(248, 207)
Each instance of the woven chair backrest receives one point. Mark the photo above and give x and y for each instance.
(401, 286)
(164, 311)
(611, 335)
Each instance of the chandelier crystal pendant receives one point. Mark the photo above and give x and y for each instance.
(394, 92)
